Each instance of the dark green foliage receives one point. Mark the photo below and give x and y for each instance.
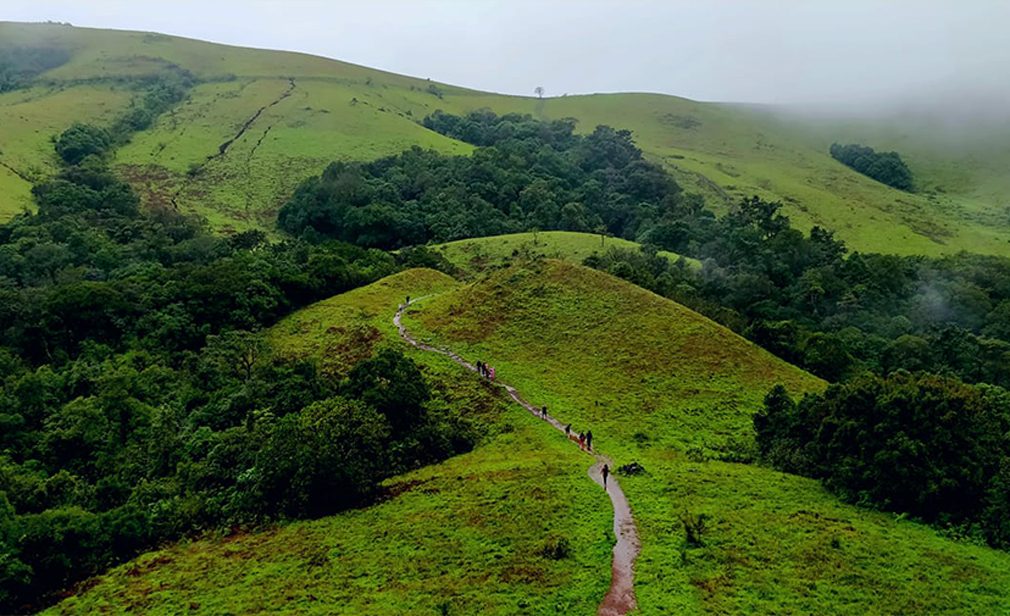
(328, 457)
(525, 174)
(556, 548)
(18, 65)
(885, 167)
(160, 93)
(138, 405)
(803, 299)
(922, 444)
(391, 384)
(82, 140)
(694, 528)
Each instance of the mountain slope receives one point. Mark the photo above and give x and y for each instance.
(663, 386)
(656, 383)
(285, 115)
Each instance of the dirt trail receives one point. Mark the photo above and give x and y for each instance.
(620, 599)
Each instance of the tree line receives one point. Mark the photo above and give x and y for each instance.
(921, 444)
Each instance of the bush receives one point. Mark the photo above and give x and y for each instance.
(82, 140)
(885, 167)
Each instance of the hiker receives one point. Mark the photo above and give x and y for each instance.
(480, 368)
(408, 300)
(589, 440)
(490, 373)
(605, 472)
(543, 412)
(568, 430)
(582, 440)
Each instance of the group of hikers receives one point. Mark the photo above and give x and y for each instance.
(485, 371)
(584, 439)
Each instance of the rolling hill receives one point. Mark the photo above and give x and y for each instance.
(478, 254)
(657, 384)
(258, 122)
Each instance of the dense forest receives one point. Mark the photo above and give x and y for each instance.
(138, 403)
(525, 175)
(927, 445)
(885, 167)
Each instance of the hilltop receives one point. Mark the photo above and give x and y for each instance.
(257, 122)
(477, 254)
(657, 384)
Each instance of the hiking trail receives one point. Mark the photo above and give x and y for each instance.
(620, 599)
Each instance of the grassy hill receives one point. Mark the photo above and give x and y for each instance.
(656, 383)
(478, 254)
(663, 386)
(467, 536)
(285, 115)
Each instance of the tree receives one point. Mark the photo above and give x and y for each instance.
(392, 384)
(539, 91)
(82, 140)
(329, 456)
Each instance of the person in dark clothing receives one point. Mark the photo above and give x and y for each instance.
(568, 430)
(589, 440)
(480, 368)
(606, 473)
(543, 412)
(408, 299)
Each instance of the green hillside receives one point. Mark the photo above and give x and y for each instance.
(477, 254)
(663, 386)
(657, 384)
(285, 115)
(467, 535)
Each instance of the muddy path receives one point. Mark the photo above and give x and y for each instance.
(620, 599)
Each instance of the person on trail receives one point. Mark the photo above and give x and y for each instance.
(605, 472)
(480, 368)
(543, 412)
(589, 440)
(408, 300)
(568, 430)
(582, 440)
(490, 373)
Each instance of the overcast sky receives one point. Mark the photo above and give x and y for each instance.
(766, 51)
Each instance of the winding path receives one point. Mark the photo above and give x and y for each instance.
(620, 599)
